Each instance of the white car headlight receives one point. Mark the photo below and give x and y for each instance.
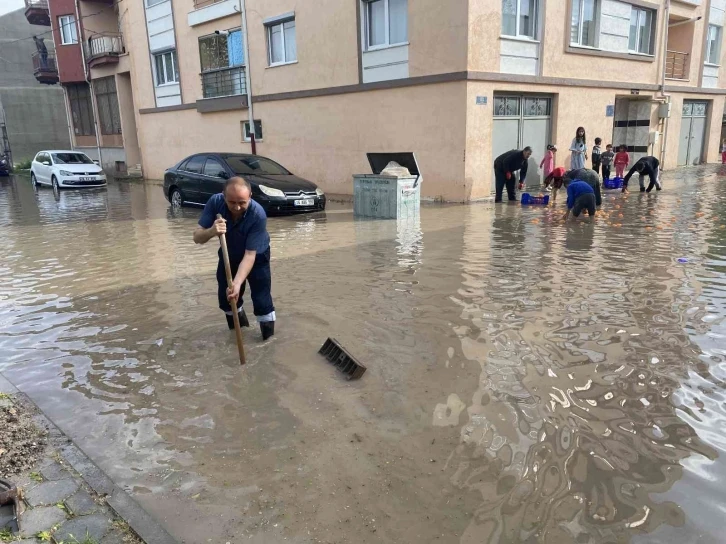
(66, 173)
(269, 191)
(319, 192)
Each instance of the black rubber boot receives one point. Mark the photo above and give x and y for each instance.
(267, 328)
(243, 321)
(642, 189)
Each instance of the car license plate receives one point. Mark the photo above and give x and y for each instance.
(84, 178)
(305, 202)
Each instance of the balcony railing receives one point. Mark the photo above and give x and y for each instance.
(104, 45)
(40, 4)
(224, 82)
(45, 69)
(37, 13)
(677, 65)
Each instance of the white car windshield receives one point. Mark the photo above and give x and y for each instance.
(71, 158)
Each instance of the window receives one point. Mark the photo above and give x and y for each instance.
(222, 63)
(386, 22)
(195, 164)
(642, 33)
(213, 168)
(281, 44)
(713, 46)
(67, 29)
(519, 18)
(150, 3)
(584, 22)
(246, 131)
(71, 158)
(79, 96)
(107, 103)
(166, 68)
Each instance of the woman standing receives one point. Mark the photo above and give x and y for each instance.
(579, 150)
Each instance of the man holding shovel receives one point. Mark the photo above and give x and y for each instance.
(244, 223)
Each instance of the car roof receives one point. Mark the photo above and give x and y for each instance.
(225, 155)
(59, 151)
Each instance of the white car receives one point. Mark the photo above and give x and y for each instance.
(62, 169)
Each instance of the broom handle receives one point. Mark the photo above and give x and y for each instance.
(235, 315)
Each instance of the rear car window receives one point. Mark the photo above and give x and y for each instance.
(194, 165)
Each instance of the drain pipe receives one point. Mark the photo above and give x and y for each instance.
(68, 113)
(663, 94)
(248, 82)
(87, 75)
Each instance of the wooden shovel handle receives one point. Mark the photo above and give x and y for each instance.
(235, 315)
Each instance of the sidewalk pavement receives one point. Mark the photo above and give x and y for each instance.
(66, 499)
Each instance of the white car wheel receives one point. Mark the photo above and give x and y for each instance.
(34, 180)
(55, 184)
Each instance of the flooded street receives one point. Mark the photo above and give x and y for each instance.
(528, 380)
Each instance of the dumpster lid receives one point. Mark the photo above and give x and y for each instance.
(379, 161)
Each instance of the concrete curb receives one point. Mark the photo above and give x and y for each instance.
(140, 521)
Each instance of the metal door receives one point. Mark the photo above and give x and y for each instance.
(693, 132)
(520, 121)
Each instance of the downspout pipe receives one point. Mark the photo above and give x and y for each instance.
(248, 81)
(663, 94)
(87, 75)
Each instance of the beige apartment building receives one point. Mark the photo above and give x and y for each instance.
(456, 81)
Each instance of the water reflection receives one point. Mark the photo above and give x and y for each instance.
(584, 347)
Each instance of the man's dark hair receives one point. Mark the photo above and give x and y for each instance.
(527, 149)
(236, 180)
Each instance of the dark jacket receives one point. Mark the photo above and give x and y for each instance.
(511, 161)
(649, 167)
(40, 46)
(588, 176)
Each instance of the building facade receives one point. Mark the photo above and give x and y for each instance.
(91, 63)
(456, 82)
(32, 113)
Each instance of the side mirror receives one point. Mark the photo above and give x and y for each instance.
(97, 163)
(223, 175)
(46, 163)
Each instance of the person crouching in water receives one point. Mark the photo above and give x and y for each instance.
(555, 179)
(588, 176)
(645, 166)
(580, 196)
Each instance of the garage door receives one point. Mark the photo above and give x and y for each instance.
(693, 131)
(520, 121)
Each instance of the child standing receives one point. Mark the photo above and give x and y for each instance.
(596, 153)
(622, 160)
(548, 162)
(606, 159)
(579, 150)
(723, 151)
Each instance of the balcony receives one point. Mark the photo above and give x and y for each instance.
(37, 13)
(102, 49)
(224, 82)
(45, 69)
(677, 65)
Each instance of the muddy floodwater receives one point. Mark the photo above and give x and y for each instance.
(528, 381)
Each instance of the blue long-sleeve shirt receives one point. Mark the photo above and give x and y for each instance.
(574, 190)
